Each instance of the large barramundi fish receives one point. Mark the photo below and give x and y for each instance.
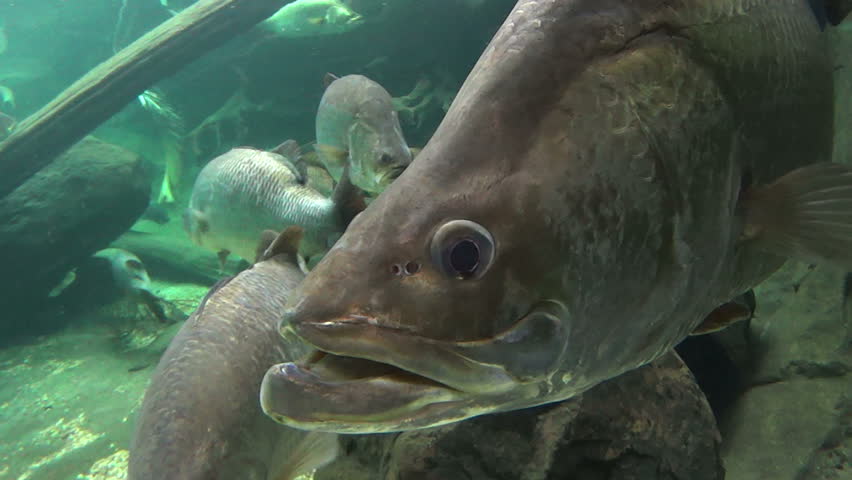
(610, 173)
(200, 419)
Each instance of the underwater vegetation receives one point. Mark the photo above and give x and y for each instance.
(462, 239)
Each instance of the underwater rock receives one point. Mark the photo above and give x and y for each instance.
(793, 421)
(63, 214)
(651, 423)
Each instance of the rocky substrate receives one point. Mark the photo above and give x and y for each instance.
(794, 419)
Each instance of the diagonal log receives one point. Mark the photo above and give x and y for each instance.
(110, 86)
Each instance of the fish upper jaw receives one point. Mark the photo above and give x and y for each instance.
(438, 361)
(530, 350)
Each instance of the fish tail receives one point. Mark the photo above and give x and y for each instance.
(805, 214)
(315, 450)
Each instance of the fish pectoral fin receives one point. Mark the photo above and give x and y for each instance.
(316, 20)
(266, 239)
(328, 79)
(333, 156)
(347, 198)
(303, 265)
(727, 314)
(285, 244)
(806, 214)
(222, 255)
(315, 450)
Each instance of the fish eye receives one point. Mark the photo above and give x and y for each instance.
(462, 249)
(385, 159)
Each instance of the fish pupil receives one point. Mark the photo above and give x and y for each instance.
(464, 257)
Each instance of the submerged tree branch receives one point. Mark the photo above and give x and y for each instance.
(107, 88)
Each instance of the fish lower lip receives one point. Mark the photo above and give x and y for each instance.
(352, 395)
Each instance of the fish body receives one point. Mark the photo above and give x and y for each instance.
(590, 197)
(245, 191)
(308, 18)
(356, 125)
(200, 418)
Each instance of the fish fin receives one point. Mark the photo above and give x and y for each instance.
(315, 450)
(834, 10)
(725, 315)
(303, 265)
(286, 244)
(333, 159)
(215, 288)
(806, 214)
(311, 158)
(194, 217)
(292, 153)
(222, 255)
(328, 79)
(347, 198)
(267, 237)
(152, 303)
(316, 20)
(302, 169)
(289, 149)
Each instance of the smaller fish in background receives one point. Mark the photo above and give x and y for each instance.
(132, 278)
(245, 191)
(308, 18)
(357, 127)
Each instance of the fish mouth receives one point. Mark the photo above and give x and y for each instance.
(390, 175)
(343, 394)
(367, 378)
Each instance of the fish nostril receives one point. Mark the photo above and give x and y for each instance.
(396, 269)
(411, 268)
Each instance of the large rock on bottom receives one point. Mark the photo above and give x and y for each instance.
(60, 216)
(650, 424)
(794, 419)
